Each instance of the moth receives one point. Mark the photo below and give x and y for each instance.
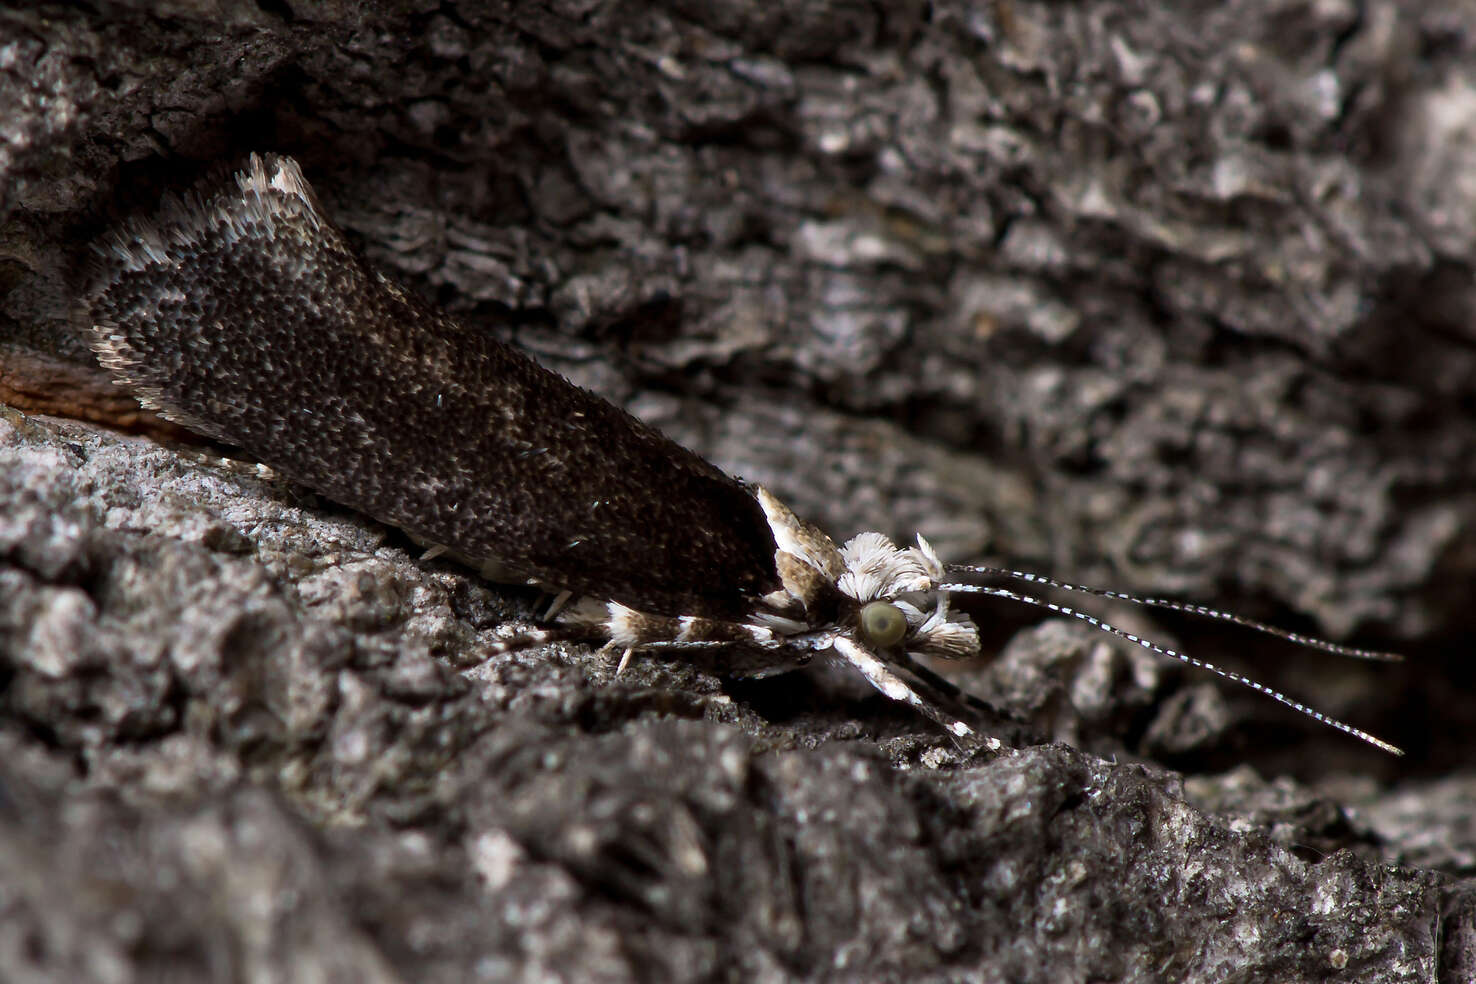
(241, 312)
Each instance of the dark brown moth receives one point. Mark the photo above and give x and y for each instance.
(241, 312)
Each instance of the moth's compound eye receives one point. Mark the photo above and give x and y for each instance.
(883, 624)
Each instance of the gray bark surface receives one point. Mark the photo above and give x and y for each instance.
(1168, 298)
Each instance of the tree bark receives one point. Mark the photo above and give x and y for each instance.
(1174, 299)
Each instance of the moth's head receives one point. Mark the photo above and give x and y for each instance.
(899, 603)
(877, 594)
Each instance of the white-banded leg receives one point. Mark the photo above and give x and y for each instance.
(535, 636)
(884, 676)
(557, 605)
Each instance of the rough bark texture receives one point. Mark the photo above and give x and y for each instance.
(1169, 297)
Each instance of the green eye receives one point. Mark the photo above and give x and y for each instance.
(883, 624)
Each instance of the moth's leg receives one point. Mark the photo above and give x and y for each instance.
(920, 692)
(586, 620)
(741, 659)
(944, 687)
(535, 636)
(641, 630)
(557, 605)
(949, 694)
(736, 648)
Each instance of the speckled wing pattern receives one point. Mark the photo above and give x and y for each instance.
(241, 312)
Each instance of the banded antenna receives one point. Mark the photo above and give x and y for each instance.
(1153, 647)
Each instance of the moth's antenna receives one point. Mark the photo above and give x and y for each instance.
(1154, 647)
(1311, 642)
